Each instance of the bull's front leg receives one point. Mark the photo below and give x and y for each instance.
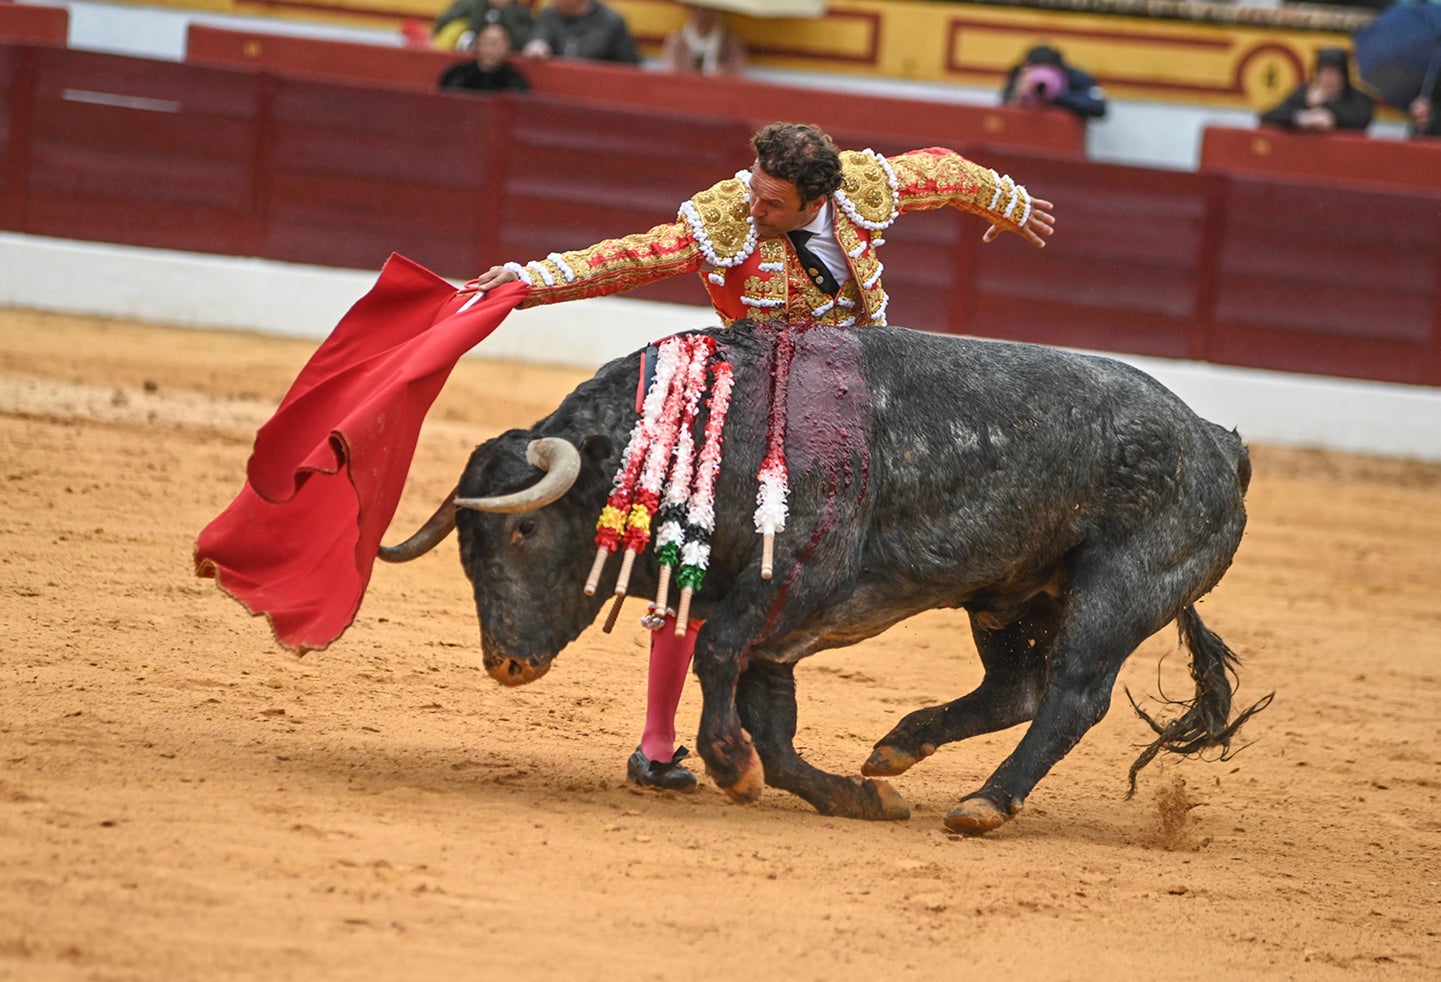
(730, 758)
(766, 699)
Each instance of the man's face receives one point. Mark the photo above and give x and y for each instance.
(1330, 81)
(492, 47)
(572, 8)
(776, 206)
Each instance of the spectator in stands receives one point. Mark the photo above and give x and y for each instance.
(1327, 101)
(1424, 114)
(582, 29)
(704, 45)
(488, 71)
(458, 28)
(1044, 79)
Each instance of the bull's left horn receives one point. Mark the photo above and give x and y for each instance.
(426, 538)
(561, 462)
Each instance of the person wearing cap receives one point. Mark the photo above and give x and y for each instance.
(792, 239)
(1325, 102)
(1044, 79)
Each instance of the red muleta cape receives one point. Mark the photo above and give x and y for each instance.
(299, 541)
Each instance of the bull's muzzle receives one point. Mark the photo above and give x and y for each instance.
(515, 671)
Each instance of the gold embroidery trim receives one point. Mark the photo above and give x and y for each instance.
(867, 186)
(934, 178)
(722, 214)
(615, 265)
(765, 291)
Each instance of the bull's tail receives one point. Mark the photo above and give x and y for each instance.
(1206, 721)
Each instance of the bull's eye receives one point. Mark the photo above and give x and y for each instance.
(522, 531)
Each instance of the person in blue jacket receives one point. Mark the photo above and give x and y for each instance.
(1044, 79)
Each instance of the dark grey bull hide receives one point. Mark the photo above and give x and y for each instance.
(1071, 504)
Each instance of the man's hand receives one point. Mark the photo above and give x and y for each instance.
(1041, 223)
(1319, 118)
(490, 279)
(1420, 112)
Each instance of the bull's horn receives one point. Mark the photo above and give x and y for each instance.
(561, 462)
(429, 535)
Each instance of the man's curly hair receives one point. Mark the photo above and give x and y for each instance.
(801, 154)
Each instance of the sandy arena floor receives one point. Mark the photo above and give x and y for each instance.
(180, 799)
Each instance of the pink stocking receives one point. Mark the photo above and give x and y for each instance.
(669, 662)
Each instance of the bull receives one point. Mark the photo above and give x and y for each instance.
(1071, 504)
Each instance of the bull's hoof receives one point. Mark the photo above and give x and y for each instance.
(750, 784)
(515, 671)
(979, 815)
(888, 761)
(883, 803)
(750, 778)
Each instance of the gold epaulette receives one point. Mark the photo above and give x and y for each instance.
(719, 219)
(868, 189)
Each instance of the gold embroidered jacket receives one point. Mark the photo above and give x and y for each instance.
(748, 276)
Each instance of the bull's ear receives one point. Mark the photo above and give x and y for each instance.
(597, 450)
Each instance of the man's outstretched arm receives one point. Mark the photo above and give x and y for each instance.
(939, 178)
(606, 268)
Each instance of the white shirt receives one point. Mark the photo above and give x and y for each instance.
(823, 243)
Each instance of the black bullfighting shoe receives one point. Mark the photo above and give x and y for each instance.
(660, 774)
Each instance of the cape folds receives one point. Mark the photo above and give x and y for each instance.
(299, 541)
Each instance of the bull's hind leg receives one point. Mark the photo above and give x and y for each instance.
(1014, 657)
(766, 701)
(1115, 599)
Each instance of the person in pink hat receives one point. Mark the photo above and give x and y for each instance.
(1044, 79)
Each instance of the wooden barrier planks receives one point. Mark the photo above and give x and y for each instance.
(1275, 273)
(138, 152)
(23, 23)
(350, 174)
(1326, 158)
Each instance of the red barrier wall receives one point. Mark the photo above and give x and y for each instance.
(1265, 272)
(134, 151)
(346, 180)
(1329, 280)
(574, 175)
(24, 24)
(350, 61)
(1331, 158)
(1129, 269)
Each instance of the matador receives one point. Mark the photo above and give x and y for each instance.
(794, 238)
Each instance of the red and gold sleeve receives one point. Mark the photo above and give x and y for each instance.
(612, 266)
(939, 178)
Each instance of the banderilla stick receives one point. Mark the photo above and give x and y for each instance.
(683, 612)
(662, 593)
(622, 582)
(614, 613)
(593, 580)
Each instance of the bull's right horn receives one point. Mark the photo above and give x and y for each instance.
(561, 462)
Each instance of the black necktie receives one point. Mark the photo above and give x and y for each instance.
(819, 273)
